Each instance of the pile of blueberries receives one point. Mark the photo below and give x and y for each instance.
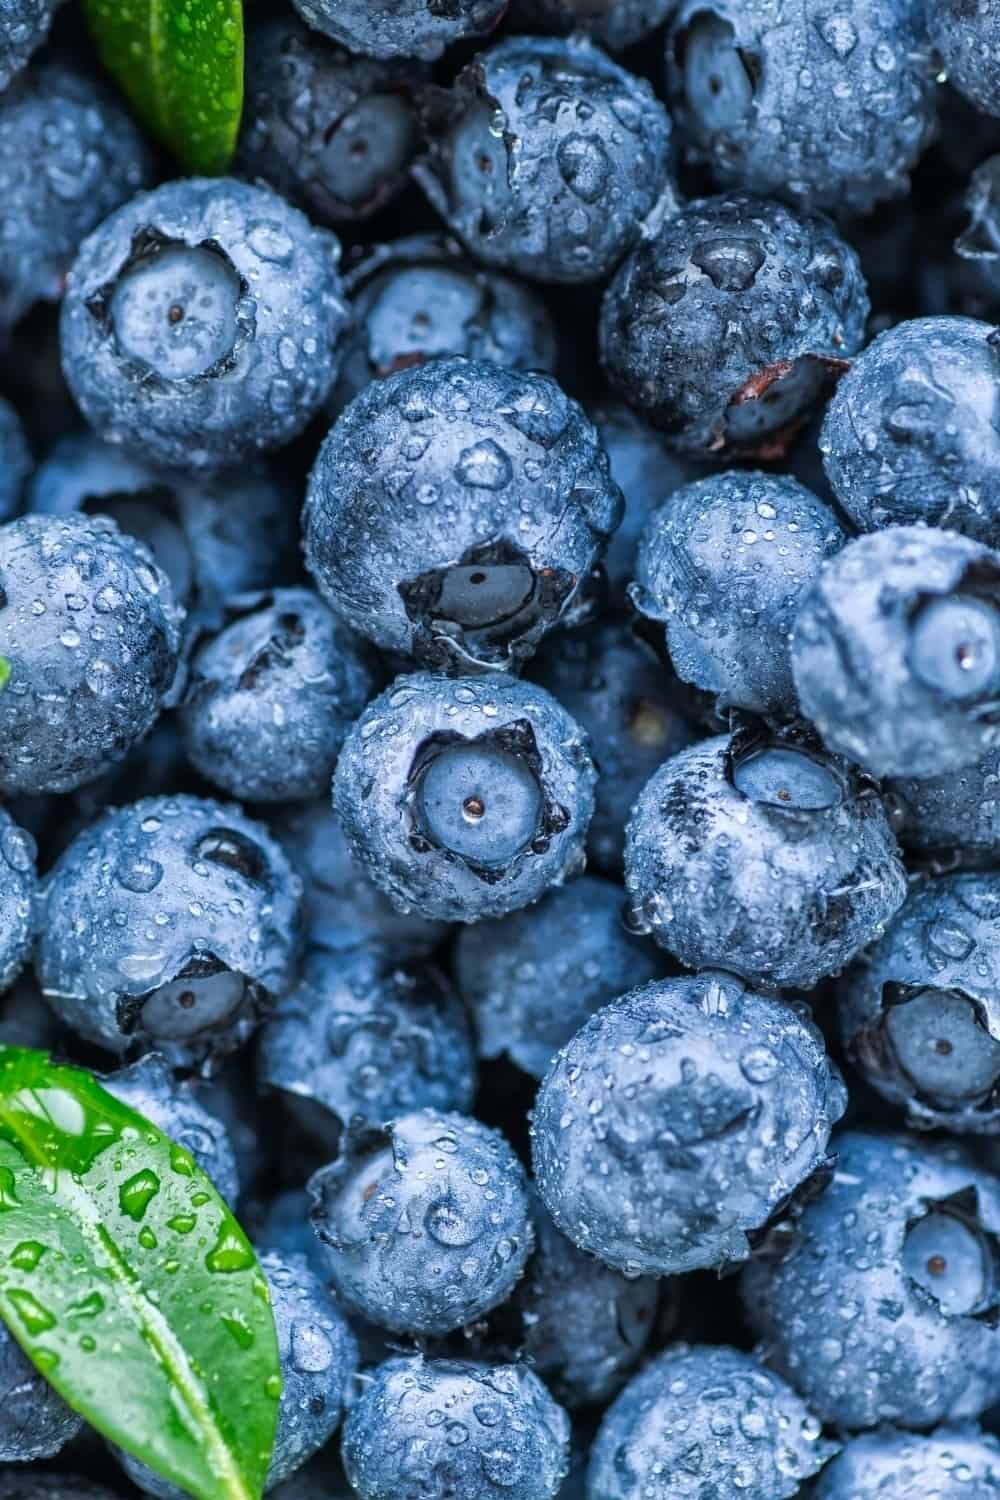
(569, 440)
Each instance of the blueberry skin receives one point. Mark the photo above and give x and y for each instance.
(383, 767)
(706, 1420)
(332, 132)
(114, 885)
(978, 246)
(363, 1038)
(951, 819)
(842, 1318)
(400, 28)
(215, 535)
(341, 907)
(967, 37)
(70, 154)
(458, 465)
(273, 339)
(271, 697)
(422, 298)
(24, 26)
(856, 652)
(148, 1087)
(548, 158)
(951, 1463)
(909, 436)
(15, 461)
(826, 110)
(534, 978)
(579, 1325)
(91, 636)
(407, 1208)
(18, 888)
(319, 1359)
(942, 950)
(723, 565)
(740, 1080)
(18, 1483)
(35, 1422)
(648, 473)
(615, 24)
(504, 1437)
(782, 893)
(630, 706)
(787, 282)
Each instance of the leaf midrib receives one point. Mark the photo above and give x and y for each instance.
(151, 1322)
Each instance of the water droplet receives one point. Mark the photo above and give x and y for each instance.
(137, 1194)
(35, 1318)
(230, 1252)
(26, 1255)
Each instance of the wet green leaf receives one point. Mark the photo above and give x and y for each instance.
(180, 63)
(123, 1275)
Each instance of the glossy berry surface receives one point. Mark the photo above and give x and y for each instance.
(791, 286)
(202, 323)
(425, 1223)
(655, 1140)
(902, 1240)
(763, 854)
(560, 191)
(497, 787)
(455, 510)
(513, 1439)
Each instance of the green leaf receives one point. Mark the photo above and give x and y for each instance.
(127, 1281)
(180, 64)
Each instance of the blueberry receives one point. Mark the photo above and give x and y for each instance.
(631, 708)
(579, 1325)
(214, 535)
(455, 510)
(731, 323)
(425, 1222)
(401, 28)
(148, 1087)
(18, 885)
(967, 40)
(482, 1432)
(342, 909)
(979, 243)
(884, 1308)
(15, 461)
(616, 24)
(466, 799)
(271, 697)
(364, 1038)
(69, 156)
(648, 473)
(202, 323)
(761, 853)
(532, 979)
(90, 640)
(896, 651)
(25, 1019)
(34, 1421)
(230, 1097)
(827, 109)
(706, 1421)
(723, 565)
(909, 435)
(333, 132)
(18, 1483)
(422, 298)
(951, 819)
(221, 902)
(319, 1357)
(919, 1013)
(679, 1120)
(548, 159)
(951, 1463)
(24, 26)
